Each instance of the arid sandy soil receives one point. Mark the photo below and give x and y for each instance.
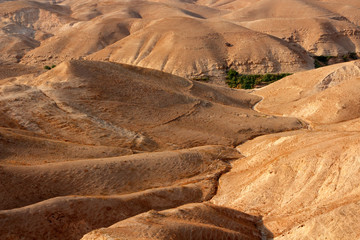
(88, 137)
(305, 183)
(185, 38)
(119, 141)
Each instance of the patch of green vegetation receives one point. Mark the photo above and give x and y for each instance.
(322, 61)
(353, 55)
(48, 67)
(201, 78)
(350, 56)
(318, 64)
(249, 81)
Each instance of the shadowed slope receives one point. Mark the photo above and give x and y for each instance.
(25, 185)
(113, 189)
(317, 35)
(27, 148)
(192, 221)
(70, 217)
(14, 70)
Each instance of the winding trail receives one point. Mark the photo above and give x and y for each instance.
(309, 124)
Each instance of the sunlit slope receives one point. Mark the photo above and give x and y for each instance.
(325, 95)
(319, 27)
(108, 104)
(304, 183)
(193, 47)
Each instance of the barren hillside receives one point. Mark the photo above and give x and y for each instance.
(305, 183)
(180, 37)
(323, 96)
(79, 137)
(102, 106)
(129, 131)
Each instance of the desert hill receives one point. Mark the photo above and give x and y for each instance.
(294, 179)
(325, 95)
(68, 199)
(318, 27)
(118, 107)
(205, 47)
(184, 38)
(102, 136)
(300, 181)
(303, 183)
(191, 221)
(25, 24)
(124, 134)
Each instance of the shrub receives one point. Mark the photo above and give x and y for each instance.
(323, 60)
(232, 78)
(353, 55)
(48, 67)
(249, 81)
(317, 64)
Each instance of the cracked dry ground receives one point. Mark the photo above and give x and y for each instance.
(111, 151)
